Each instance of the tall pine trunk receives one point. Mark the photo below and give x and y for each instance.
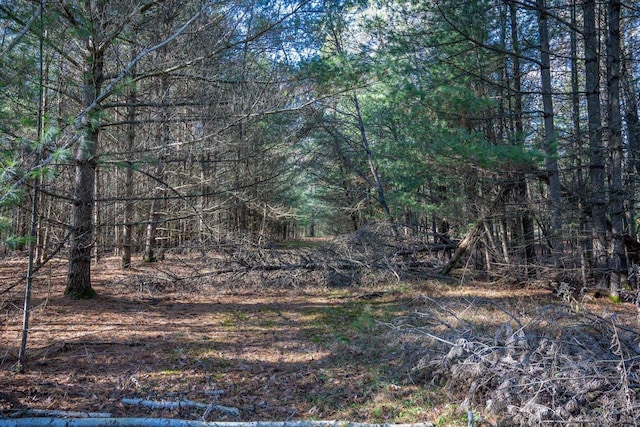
(600, 261)
(127, 228)
(82, 227)
(155, 217)
(526, 219)
(550, 138)
(618, 256)
(633, 129)
(584, 237)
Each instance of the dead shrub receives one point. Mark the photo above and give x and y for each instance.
(554, 367)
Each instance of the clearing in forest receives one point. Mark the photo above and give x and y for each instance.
(168, 332)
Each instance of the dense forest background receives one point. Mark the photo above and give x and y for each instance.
(506, 129)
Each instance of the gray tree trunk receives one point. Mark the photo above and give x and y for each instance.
(550, 137)
(127, 229)
(378, 187)
(618, 257)
(82, 227)
(158, 189)
(526, 219)
(633, 126)
(600, 261)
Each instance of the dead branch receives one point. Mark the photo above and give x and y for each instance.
(56, 413)
(153, 404)
(558, 366)
(169, 422)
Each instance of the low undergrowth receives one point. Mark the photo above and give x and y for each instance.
(547, 365)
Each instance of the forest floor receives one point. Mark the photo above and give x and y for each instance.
(271, 353)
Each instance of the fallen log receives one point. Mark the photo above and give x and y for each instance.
(169, 422)
(185, 403)
(57, 413)
(463, 247)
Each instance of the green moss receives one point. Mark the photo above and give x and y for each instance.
(85, 293)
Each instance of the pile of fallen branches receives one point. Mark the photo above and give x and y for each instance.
(558, 366)
(377, 253)
(374, 254)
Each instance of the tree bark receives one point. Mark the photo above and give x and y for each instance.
(82, 227)
(379, 189)
(633, 128)
(526, 219)
(597, 203)
(618, 261)
(584, 237)
(463, 247)
(127, 229)
(158, 191)
(550, 137)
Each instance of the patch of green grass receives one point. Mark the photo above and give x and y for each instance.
(212, 364)
(178, 352)
(348, 321)
(170, 372)
(452, 416)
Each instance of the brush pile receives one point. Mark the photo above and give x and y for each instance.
(558, 366)
(376, 253)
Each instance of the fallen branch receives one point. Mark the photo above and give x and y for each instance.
(57, 413)
(153, 404)
(168, 422)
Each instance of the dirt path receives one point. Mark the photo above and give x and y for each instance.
(274, 355)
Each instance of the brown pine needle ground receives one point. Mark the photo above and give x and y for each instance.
(167, 332)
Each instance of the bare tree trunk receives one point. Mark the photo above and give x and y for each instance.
(633, 127)
(596, 166)
(127, 228)
(584, 235)
(158, 188)
(97, 240)
(463, 247)
(526, 219)
(152, 227)
(550, 137)
(82, 227)
(618, 261)
(154, 211)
